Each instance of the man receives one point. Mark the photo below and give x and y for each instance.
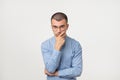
(62, 55)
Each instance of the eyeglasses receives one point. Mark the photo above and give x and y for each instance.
(62, 27)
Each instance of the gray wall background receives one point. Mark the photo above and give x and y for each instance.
(24, 24)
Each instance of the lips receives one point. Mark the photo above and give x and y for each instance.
(58, 34)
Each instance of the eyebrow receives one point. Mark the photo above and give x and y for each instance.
(58, 26)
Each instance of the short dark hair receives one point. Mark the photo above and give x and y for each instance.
(59, 16)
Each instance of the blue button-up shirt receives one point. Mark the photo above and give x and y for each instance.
(67, 61)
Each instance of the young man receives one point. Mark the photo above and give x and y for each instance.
(62, 55)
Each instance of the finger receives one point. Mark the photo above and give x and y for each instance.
(63, 36)
(62, 33)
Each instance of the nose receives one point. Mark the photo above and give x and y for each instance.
(59, 29)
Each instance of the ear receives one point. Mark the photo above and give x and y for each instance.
(67, 26)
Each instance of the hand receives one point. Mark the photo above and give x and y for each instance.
(60, 40)
(51, 74)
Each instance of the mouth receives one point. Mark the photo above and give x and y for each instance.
(57, 34)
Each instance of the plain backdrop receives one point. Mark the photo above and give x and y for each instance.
(24, 24)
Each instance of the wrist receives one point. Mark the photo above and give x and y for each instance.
(57, 48)
(56, 73)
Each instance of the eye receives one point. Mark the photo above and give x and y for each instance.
(62, 26)
(54, 26)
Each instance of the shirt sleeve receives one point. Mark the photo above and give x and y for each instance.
(51, 58)
(76, 68)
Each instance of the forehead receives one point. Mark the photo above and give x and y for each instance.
(53, 21)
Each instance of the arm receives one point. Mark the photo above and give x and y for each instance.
(51, 58)
(76, 68)
(51, 74)
(74, 71)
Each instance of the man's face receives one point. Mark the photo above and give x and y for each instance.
(59, 26)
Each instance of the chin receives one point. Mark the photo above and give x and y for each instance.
(55, 35)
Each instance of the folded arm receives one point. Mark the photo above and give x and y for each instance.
(76, 68)
(51, 58)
